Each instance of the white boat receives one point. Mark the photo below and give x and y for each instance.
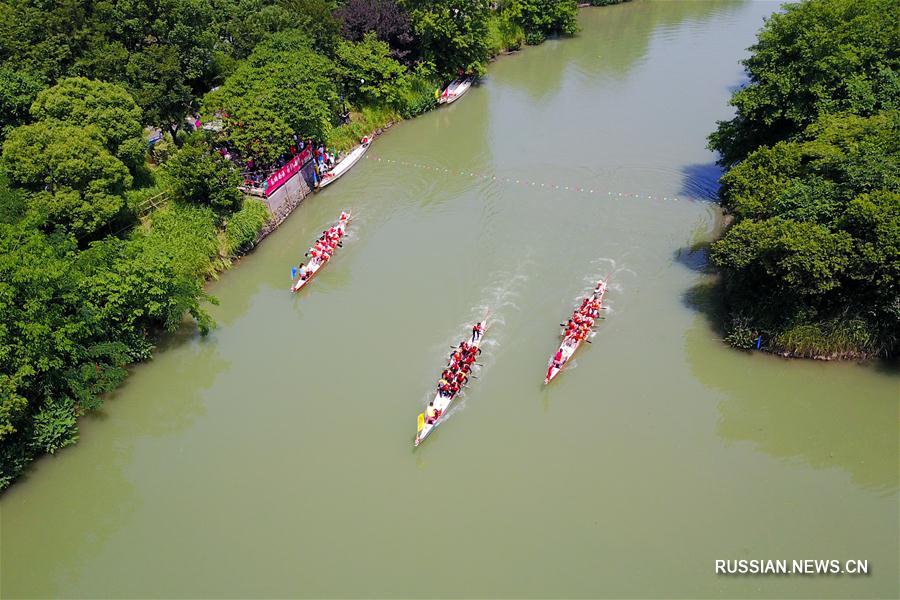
(456, 89)
(441, 402)
(315, 265)
(345, 163)
(570, 345)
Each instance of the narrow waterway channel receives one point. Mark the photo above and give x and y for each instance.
(274, 458)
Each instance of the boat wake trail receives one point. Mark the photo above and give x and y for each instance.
(604, 267)
(500, 298)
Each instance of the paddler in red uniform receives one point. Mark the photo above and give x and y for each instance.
(557, 358)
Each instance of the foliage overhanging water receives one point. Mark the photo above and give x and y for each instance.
(275, 457)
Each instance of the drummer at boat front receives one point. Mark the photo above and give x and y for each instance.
(431, 414)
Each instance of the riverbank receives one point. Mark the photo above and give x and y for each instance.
(267, 432)
(125, 276)
(810, 264)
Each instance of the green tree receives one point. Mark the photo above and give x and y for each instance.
(78, 184)
(369, 72)
(199, 175)
(109, 107)
(840, 157)
(540, 18)
(284, 88)
(12, 201)
(315, 18)
(167, 53)
(874, 222)
(49, 355)
(784, 257)
(18, 90)
(453, 33)
(815, 58)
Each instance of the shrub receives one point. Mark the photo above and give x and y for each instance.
(243, 227)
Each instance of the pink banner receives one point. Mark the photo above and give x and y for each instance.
(280, 177)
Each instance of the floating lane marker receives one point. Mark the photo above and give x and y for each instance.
(542, 184)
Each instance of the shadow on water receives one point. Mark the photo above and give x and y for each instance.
(739, 84)
(705, 298)
(807, 411)
(695, 257)
(700, 181)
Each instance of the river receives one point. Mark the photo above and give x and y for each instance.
(274, 458)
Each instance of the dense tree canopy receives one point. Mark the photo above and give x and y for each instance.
(283, 88)
(540, 18)
(385, 18)
(369, 72)
(78, 157)
(452, 33)
(18, 90)
(812, 59)
(84, 291)
(201, 176)
(166, 53)
(812, 261)
(78, 184)
(71, 321)
(81, 102)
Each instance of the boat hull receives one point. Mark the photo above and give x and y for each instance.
(299, 284)
(341, 169)
(455, 90)
(570, 350)
(442, 403)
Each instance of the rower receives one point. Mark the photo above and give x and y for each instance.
(557, 358)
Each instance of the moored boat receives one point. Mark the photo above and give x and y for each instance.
(571, 343)
(426, 423)
(345, 163)
(455, 90)
(315, 264)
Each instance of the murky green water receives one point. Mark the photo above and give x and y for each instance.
(275, 457)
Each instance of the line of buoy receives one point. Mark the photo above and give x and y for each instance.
(530, 183)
